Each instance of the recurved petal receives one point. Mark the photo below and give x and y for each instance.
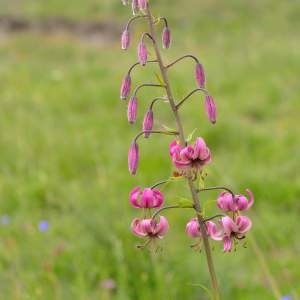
(162, 227)
(227, 243)
(158, 198)
(228, 226)
(251, 198)
(192, 228)
(243, 223)
(200, 149)
(212, 231)
(137, 229)
(134, 196)
(147, 198)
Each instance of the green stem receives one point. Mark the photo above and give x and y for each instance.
(195, 196)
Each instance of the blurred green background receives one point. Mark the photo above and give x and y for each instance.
(64, 139)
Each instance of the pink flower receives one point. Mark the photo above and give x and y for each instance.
(142, 53)
(133, 158)
(166, 37)
(132, 109)
(200, 75)
(190, 156)
(148, 122)
(193, 228)
(210, 108)
(150, 228)
(148, 198)
(125, 87)
(227, 202)
(231, 230)
(174, 147)
(125, 39)
(143, 4)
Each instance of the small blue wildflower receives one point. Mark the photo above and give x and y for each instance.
(5, 219)
(286, 298)
(43, 225)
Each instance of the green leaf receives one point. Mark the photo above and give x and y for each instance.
(185, 203)
(159, 79)
(168, 128)
(190, 136)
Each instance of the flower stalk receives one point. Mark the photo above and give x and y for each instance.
(192, 187)
(188, 159)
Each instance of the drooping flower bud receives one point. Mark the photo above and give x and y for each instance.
(124, 2)
(200, 75)
(143, 4)
(133, 158)
(166, 37)
(125, 87)
(135, 6)
(132, 109)
(210, 108)
(148, 122)
(142, 53)
(125, 39)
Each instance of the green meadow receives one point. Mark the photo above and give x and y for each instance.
(64, 138)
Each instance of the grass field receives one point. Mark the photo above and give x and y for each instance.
(64, 139)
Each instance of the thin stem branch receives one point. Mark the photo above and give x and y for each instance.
(146, 84)
(190, 94)
(181, 58)
(213, 217)
(154, 131)
(148, 35)
(162, 209)
(192, 187)
(165, 20)
(217, 188)
(138, 64)
(159, 183)
(133, 19)
(156, 99)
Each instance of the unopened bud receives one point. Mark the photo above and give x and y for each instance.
(135, 7)
(148, 122)
(142, 53)
(210, 108)
(166, 37)
(143, 4)
(125, 39)
(125, 87)
(132, 109)
(200, 75)
(124, 2)
(133, 158)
